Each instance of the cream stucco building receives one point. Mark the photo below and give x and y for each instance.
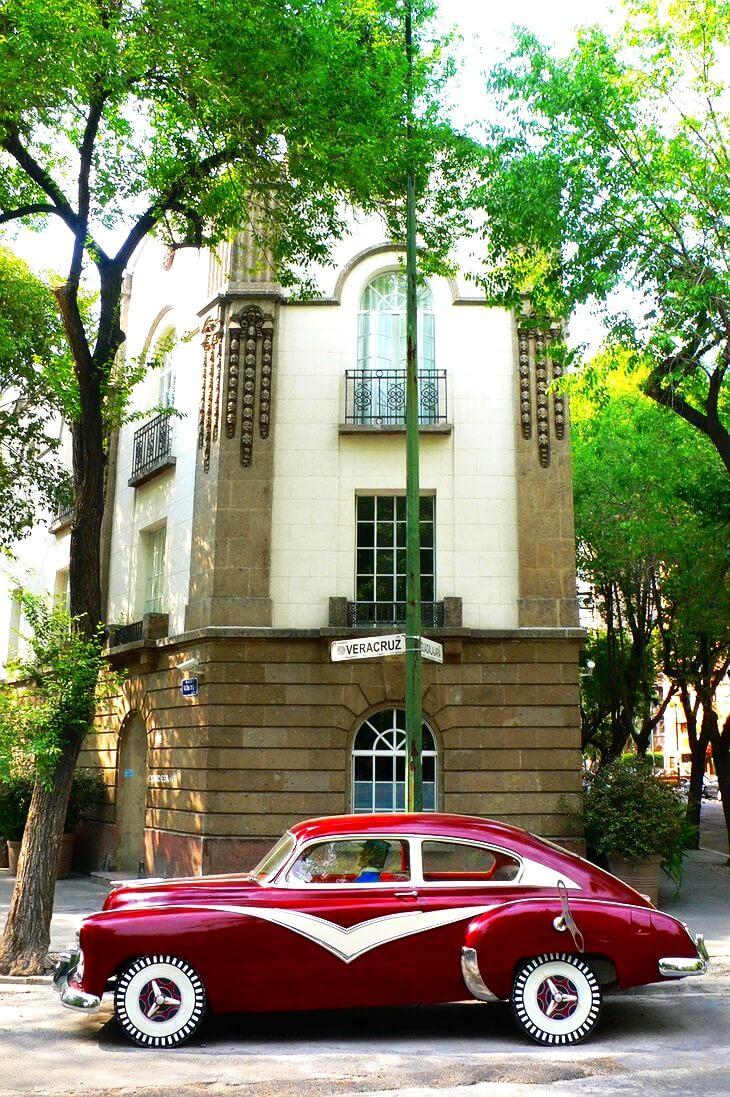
(265, 518)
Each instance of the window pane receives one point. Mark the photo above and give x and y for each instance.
(426, 561)
(385, 562)
(384, 768)
(427, 589)
(386, 534)
(365, 508)
(457, 860)
(365, 562)
(365, 737)
(400, 588)
(429, 766)
(384, 589)
(365, 534)
(429, 796)
(365, 589)
(400, 508)
(385, 508)
(363, 797)
(427, 508)
(383, 796)
(426, 535)
(363, 768)
(353, 860)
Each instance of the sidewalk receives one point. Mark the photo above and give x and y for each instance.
(75, 898)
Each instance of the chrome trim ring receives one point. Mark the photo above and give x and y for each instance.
(73, 997)
(473, 977)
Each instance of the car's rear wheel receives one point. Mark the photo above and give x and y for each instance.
(556, 999)
(159, 1001)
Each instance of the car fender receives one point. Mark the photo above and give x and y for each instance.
(202, 936)
(626, 935)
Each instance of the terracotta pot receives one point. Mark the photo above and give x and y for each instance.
(64, 860)
(643, 877)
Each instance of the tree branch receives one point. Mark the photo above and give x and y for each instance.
(27, 211)
(166, 201)
(12, 144)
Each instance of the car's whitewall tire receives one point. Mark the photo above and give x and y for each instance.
(159, 1001)
(556, 999)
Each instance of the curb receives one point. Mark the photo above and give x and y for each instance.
(26, 980)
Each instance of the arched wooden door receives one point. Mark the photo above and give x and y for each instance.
(131, 796)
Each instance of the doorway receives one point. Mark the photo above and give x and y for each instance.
(131, 795)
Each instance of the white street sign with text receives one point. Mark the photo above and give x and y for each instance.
(368, 647)
(431, 650)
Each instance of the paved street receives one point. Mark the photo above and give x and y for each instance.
(658, 1040)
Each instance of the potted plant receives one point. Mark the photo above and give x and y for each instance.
(636, 823)
(15, 796)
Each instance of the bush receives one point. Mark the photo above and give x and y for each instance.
(15, 795)
(629, 812)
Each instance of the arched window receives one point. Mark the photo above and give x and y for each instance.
(381, 350)
(166, 369)
(382, 330)
(379, 764)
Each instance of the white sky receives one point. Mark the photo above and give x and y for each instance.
(485, 27)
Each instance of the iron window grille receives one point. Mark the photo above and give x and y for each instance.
(377, 397)
(151, 444)
(379, 764)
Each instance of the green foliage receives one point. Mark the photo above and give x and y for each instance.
(630, 813)
(34, 371)
(16, 790)
(52, 702)
(609, 171)
(652, 517)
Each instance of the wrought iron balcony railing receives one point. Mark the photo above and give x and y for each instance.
(151, 449)
(390, 614)
(126, 634)
(377, 397)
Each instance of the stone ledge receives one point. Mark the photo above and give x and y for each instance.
(393, 428)
(162, 464)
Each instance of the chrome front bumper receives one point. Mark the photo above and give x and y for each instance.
(679, 966)
(73, 997)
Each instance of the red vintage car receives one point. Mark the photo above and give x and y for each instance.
(378, 910)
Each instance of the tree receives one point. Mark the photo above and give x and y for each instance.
(652, 506)
(608, 171)
(34, 364)
(126, 117)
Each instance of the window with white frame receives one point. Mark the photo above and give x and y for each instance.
(382, 325)
(379, 764)
(166, 375)
(153, 565)
(380, 558)
(61, 589)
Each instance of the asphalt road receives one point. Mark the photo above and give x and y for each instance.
(660, 1040)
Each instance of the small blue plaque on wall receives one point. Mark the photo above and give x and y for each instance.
(189, 687)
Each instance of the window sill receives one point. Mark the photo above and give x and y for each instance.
(393, 428)
(162, 464)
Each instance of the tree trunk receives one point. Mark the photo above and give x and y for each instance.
(720, 743)
(698, 750)
(27, 931)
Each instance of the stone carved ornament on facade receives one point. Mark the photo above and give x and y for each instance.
(250, 355)
(536, 371)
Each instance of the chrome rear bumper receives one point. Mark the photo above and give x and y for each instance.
(679, 966)
(73, 997)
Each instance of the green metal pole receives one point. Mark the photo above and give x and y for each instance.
(414, 767)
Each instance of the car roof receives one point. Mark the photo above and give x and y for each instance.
(432, 824)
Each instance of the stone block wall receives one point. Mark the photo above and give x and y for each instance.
(268, 739)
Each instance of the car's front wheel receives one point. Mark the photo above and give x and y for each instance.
(159, 1001)
(556, 999)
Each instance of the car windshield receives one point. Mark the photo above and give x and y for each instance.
(274, 859)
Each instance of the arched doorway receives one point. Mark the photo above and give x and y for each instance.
(379, 764)
(131, 795)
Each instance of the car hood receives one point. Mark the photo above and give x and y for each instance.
(232, 887)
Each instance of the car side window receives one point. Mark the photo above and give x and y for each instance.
(353, 861)
(459, 862)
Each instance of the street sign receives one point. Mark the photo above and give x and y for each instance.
(368, 647)
(431, 650)
(189, 687)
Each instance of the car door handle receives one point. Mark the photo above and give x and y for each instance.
(406, 894)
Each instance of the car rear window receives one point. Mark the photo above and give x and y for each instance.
(459, 861)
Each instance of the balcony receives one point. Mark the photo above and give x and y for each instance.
(151, 450)
(375, 402)
(392, 614)
(153, 626)
(62, 519)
